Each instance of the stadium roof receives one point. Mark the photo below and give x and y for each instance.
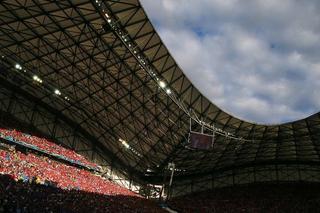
(101, 67)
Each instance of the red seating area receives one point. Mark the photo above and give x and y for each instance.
(29, 174)
(281, 197)
(30, 165)
(46, 145)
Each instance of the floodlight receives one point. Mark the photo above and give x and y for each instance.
(162, 84)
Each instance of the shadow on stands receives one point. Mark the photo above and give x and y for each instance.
(32, 197)
(259, 197)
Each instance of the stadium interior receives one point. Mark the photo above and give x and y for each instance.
(96, 116)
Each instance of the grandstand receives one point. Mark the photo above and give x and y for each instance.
(95, 111)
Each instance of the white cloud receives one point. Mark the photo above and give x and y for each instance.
(257, 59)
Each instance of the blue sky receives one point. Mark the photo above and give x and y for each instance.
(258, 60)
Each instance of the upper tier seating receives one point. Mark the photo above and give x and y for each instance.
(46, 145)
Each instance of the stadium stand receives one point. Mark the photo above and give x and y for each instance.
(45, 145)
(95, 76)
(32, 197)
(34, 182)
(263, 197)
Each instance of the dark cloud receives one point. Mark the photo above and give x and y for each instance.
(257, 59)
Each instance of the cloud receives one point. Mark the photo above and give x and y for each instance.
(258, 60)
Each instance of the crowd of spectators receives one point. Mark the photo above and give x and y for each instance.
(32, 182)
(48, 146)
(26, 197)
(263, 197)
(27, 166)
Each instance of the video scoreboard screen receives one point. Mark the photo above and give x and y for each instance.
(201, 141)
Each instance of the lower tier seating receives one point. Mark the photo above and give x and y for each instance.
(33, 183)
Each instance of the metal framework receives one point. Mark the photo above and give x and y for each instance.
(94, 90)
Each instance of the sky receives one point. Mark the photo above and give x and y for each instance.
(257, 60)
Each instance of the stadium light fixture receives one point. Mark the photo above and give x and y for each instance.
(124, 37)
(168, 91)
(18, 67)
(127, 146)
(124, 143)
(57, 92)
(162, 84)
(36, 78)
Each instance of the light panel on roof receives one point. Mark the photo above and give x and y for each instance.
(162, 84)
(18, 67)
(57, 92)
